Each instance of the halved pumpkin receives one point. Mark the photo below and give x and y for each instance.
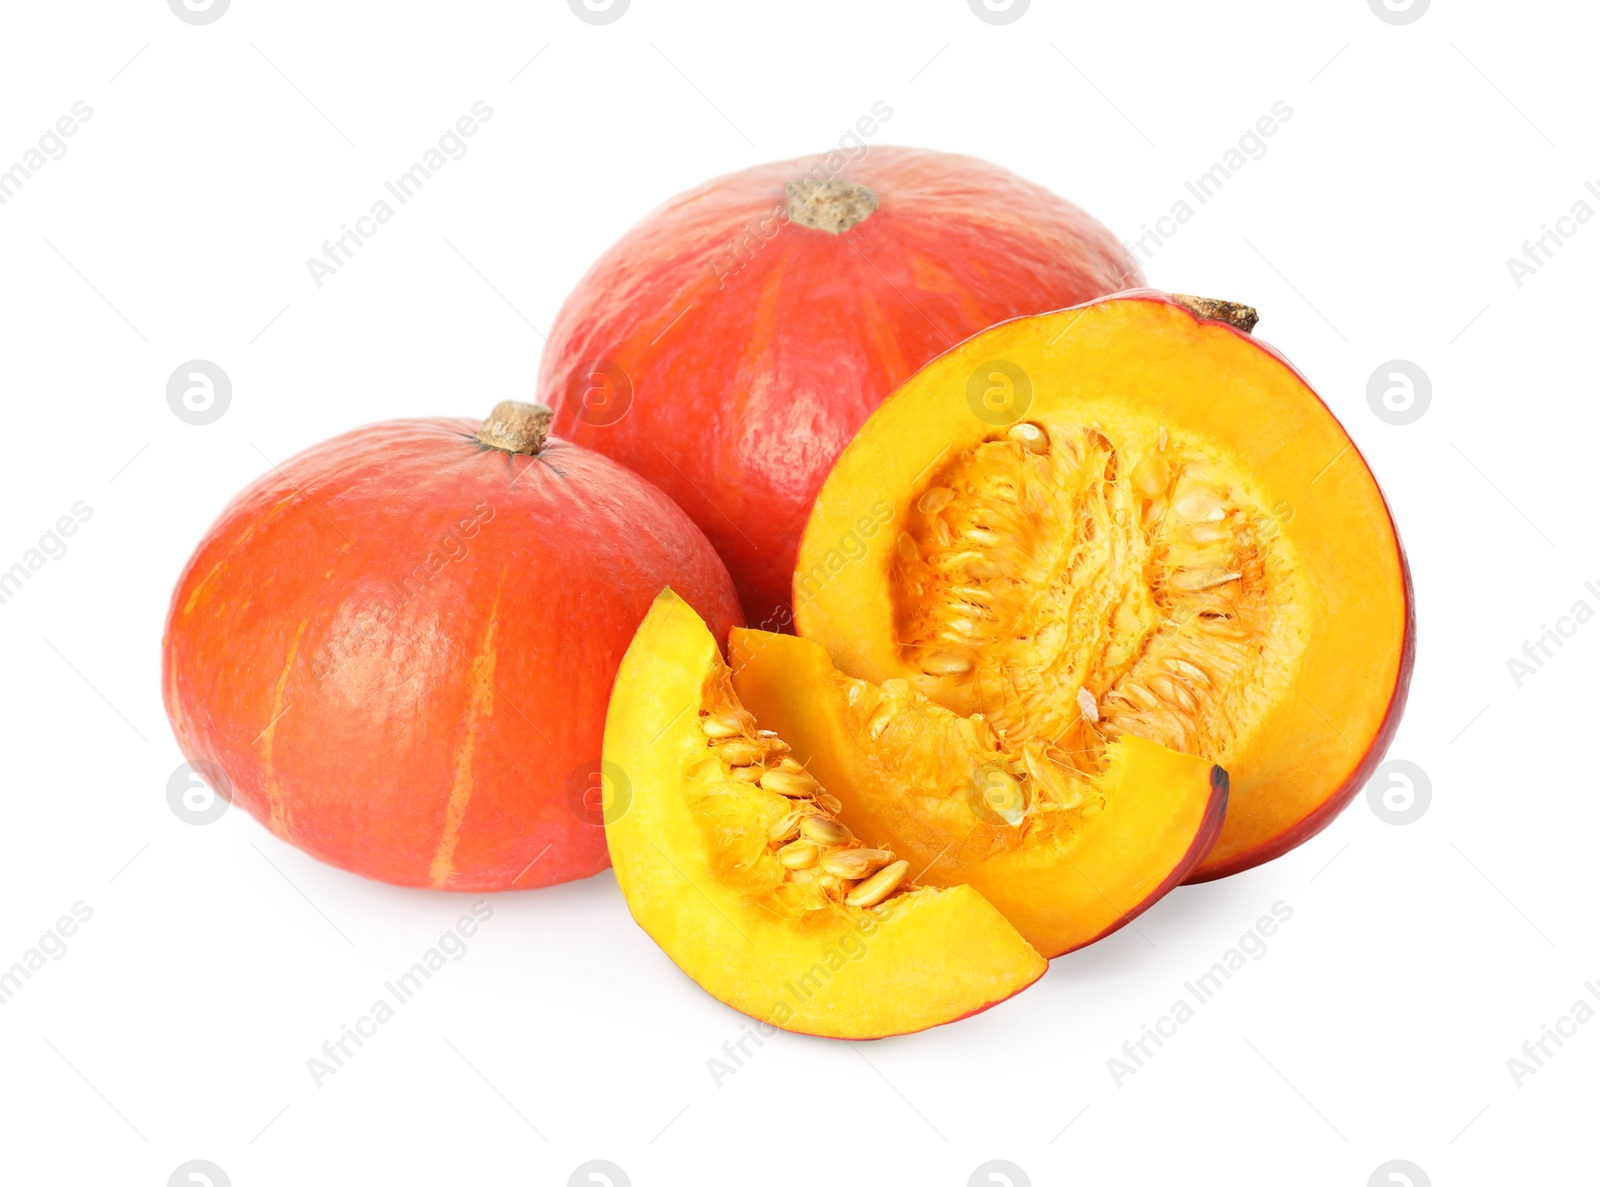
(706, 817)
(1127, 520)
(1069, 845)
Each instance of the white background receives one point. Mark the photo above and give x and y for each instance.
(218, 960)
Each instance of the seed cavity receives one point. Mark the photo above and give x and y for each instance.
(1124, 581)
(772, 824)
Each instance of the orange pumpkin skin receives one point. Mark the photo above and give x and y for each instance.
(398, 647)
(757, 346)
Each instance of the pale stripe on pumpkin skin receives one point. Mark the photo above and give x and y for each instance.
(272, 513)
(480, 706)
(277, 821)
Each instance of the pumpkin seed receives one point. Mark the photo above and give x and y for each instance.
(798, 855)
(1030, 436)
(721, 725)
(794, 784)
(855, 863)
(1171, 691)
(740, 753)
(1087, 705)
(946, 663)
(1197, 580)
(784, 828)
(1190, 672)
(1151, 476)
(880, 886)
(1198, 506)
(823, 830)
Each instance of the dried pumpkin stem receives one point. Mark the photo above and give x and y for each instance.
(1238, 315)
(833, 205)
(517, 427)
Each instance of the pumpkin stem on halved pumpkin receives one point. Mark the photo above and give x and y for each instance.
(1238, 315)
(831, 205)
(516, 427)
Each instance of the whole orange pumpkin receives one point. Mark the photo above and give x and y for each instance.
(396, 649)
(729, 346)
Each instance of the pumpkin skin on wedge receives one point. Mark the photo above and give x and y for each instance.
(923, 957)
(1165, 525)
(910, 779)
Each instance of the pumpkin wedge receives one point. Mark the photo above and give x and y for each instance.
(734, 861)
(1129, 519)
(1068, 847)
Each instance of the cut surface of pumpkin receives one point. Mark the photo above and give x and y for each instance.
(733, 857)
(1068, 844)
(1126, 521)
